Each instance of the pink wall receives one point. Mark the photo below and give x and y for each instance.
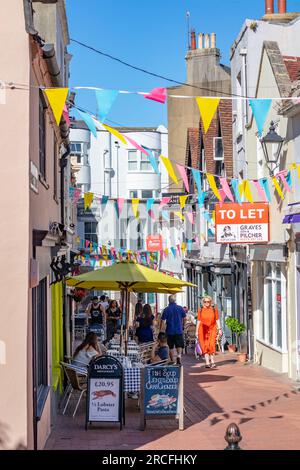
(14, 225)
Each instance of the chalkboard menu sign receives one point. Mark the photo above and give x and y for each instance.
(161, 390)
(105, 391)
(162, 393)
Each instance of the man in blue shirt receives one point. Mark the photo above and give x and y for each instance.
(173, 319)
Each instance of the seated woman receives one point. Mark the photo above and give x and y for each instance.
(144, 325)
(87, 350)
(160, 351)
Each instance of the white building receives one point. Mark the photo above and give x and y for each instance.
(106, 167)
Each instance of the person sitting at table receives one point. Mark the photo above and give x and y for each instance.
(87, 350)
(144, 325)
(160, 351)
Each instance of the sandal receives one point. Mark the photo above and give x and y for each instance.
(213, 366)
(207, 367)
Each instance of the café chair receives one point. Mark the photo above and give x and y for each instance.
(74, 374)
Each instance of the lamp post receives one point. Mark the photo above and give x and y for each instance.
(272, 145)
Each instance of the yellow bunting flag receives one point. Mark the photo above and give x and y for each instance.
(182, 200)
(78, 239)
(212, 183)
(179, 214)
(207, 108)
(167, 252)
(213, 216)
(57, 100)
(100, 262)
(169, 168)
(135, 205)
(183, 247)
(277, 187)
(88, 199)
(115, 133)
(298, 171)
(242, 188)
(247, 191)
(293, 166)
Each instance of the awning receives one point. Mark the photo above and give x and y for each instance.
(291, 219)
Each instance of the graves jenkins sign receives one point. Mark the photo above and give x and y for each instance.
(242, 223)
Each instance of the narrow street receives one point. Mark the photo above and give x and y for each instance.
(263, 404)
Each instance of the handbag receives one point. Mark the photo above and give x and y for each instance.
(198, 350)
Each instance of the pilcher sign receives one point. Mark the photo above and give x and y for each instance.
(242, 223)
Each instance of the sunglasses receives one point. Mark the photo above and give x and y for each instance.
(207, 302)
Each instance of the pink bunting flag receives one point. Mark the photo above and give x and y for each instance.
(260, 190)
(157, 94)
(190, 217)
(151, 213)
(226, 189)
(137, 146)
(197, 241)
(164, 201)
(76, 195)
(87, 243)
(282, 175)
(66, 115)
(178, 248)
(120, 204)
(184, 177)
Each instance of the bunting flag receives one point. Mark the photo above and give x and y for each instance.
(277, 187)
(115, 133)
(119, 205)
(135, 205)
(104, 201)
(289, 179)
(166, 215)
(241, 189)
(207, 108)
(57, 99)
(298, 169)
(105, 101)
(76, 195)
(66, 115)
(190, 217)
(169, 168)
(183, 247)
(89, 122)
(226, 189)
(235, 187)
(136, 145)
(212, 183)
(247, 191)
(164, 202)
(150, 203)
(282, 175)
(183, 174)
(152, 158)
(182, 201)
(260, 191)
(179, 214)
(173, 249)
(260, 109)
(157, 94)
(88, 199)
(265, 185)
(189, 245)
(198, 182)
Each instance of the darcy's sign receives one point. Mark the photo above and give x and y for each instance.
(242, 223)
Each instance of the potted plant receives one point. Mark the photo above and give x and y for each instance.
(236, 329)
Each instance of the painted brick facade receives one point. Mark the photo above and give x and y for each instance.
(293, 67)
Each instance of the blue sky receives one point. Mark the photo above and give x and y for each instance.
(151, 34)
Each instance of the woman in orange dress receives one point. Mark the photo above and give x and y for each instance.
(208, 325)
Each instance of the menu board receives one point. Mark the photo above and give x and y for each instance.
(104, 399)
(161, 390)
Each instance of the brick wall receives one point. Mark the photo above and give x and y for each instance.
(293, 67)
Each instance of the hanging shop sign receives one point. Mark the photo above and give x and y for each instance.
(105, 391)
(242, 223)
(154, 243)
(161, 393)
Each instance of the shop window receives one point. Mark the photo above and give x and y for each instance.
(272, 305)
(91, 231)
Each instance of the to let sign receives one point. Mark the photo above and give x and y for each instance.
(242, 223)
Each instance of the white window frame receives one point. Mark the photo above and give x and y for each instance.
(265, 308)
(214, 149)
(141, 158)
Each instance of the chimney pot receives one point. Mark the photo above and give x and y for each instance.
(282, 7)
(207, 41)
(269, 7)
(200, 41)
(193, 40)
(213, 38)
